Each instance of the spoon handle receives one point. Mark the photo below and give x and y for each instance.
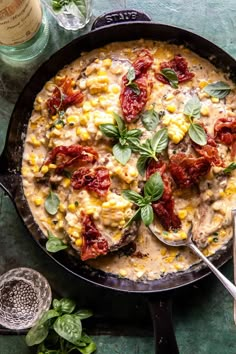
(226, 282)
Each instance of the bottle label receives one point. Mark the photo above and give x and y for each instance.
(19, 20)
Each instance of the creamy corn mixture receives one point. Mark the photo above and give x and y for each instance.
(98, 75)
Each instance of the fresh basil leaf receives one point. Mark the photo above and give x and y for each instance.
(83, 313)
(150, 119)
(120, 122)
(109, 130)
(160, 140)
(154, 187)
(135, 88)
(141, 164)
(52, 203)
(122, 141)
(147, 214)
(193, 107)
(36, 335)
(121, 153)
(197, 134)
(130, 75)
(56, 305)
(230, 168)
(90, 348)
(135, 217)
(47, 316)
(133, 133)
(54, 244)
(82, 6)
(68, 327)
(171, 76)
(218, 89)
(132, 196)
(67, 305)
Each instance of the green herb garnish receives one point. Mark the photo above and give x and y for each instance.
(121, 150)
(153, 190)
(54, 244)
(230, 168)
(196, 132)
(171, 76)
(218, 89)
(57, 5)
(150, 119)
(52, 203)
(60, 331)
(131, 77)
(150, 148)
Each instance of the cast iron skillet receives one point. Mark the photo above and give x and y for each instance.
(11, 159)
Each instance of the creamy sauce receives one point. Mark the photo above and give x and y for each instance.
(98, 75)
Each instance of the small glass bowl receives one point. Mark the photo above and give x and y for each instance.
(24, 295)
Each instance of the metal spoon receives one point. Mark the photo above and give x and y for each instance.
(189, 243)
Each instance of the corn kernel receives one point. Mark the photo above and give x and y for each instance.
(179, 267)
(44, 169)
(210, 239)
(66, 182)
(35, 142)
(205, 111)
(215, 99)
(35, 169)
(94, 102)
(202, 84)
(38, 201)
(60, 224)
(87, 106)
(79, 242)
(84, 136)
(115, 89)
(122, 222)
(163, 251)
(52, 166)
(62, 208)
(107, 62)
(171, 108)
(72, 207)
(182, 235)
(101, 73)
(78, 131)
(182, 214)
(222, 233)
(169, 97)
(73, 119)
(123, 272)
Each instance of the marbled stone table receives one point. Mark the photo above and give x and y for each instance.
(203, 313)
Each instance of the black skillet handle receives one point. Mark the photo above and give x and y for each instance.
(120, 16)
(164, 335)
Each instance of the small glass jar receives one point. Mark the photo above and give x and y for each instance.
(24, 296)
(73, 15)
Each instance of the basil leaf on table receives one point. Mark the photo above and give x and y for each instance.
(193, 107)
(121, 153)
(197, 134)
(217, 89)
(68, 327)
(54, 244)
(67, 305)
(52, 203)
(230, 168)
(36, 335)
(150, 119)
(83, 314)
(171, 76)
(47, 316)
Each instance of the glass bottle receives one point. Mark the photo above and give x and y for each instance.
(23, 29)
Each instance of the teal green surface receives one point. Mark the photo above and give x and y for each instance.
(203, 313)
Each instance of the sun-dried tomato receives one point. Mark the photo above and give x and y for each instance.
(94, 244)
(209, 151)
(179, 65)
(64, 156)
(131, 102)
(64, 96)
(97, 180)
(187, 170)
(225, 133)
(164, 207)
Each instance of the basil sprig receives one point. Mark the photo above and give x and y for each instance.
(150, 148)
(59, 330)
(119, 132)
(150, 119)
(171, 76)
(52, 203)
(196, 132)
(230, 168)
(131, 77)
(217, 89)
(153, 190)
(54, 244)
(57, 5)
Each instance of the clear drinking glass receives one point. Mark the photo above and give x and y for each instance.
(73, 15)
(24, 295)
